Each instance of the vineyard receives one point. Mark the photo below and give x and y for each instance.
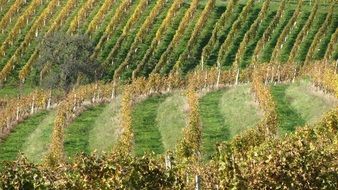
(168, 94)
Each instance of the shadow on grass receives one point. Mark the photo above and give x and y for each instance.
(288, 118)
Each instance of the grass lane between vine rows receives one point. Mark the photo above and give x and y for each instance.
(94, 129)
(226, 113)
(299, 103)
(12, 145)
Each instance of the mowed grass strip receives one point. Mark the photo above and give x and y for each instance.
(77, 133)
(299, 103)
(146, 132)
(11, 147)
(37, 144)
(226, 113)
(171, 119)
(105, 132)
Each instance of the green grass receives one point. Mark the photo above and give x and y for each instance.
(104, 133)
(226, 113)
(166, 39)
(298, 104)
(268, 48)
(77, 133)
(146, 134)
(291, 38)
(235, 43)
(37, 144)
(288, 118)
(11, 147)
(14, 91)
(171, 119)
(310, 103)
(306, 43)
(143, 47)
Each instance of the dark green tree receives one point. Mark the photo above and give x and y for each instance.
(65, 61)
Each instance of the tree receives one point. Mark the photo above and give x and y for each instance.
(65, 61)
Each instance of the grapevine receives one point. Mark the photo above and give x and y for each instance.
(130, 23)
(268, 32)
(121, 10)
(141, 34)
(285, 32)
(178, 35)
(216, 31)
(161, 30)
(234, 29)
(319, 34)
(193, 38)
(304, 31)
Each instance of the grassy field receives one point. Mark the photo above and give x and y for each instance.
(77, 133)
(37, 144)
(146, 133)
(224, 114)
(104, 132)
(171, 119)
(12, 146)
(158, 121)
(299, 103)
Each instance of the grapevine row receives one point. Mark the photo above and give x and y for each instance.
(7, 18)
(141, 34)
(178, 35)
(18, 109)
(194, 36)
(81, 15)
(280, 160)
(286, 31)
(67, 111)
(268, 32)
(33, 32)
(234, 29)
(302, 34)
(216, 32)
(19, 25)
(121, 10)
(319, 34)
(56, 23)
(99, 16)
(130, 23)
(250, 34)
(324, 75)
(331, 46)
(192, 134)
(160, 31)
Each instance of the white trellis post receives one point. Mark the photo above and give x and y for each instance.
(167, 162)
(197, 182)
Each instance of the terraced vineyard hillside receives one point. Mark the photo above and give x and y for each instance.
(204, 94)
